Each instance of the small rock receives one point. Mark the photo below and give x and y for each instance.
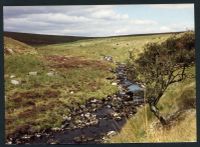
(50, 74)
(118, 118)
(90, 138)
(15, 82)
(115, 114)
(94, 101)
(65, 125)
(78, 121)
(77, 139)
(51, 141)
(67, 118)
(10, 142)
(9, 50)
(12, 76)
(38, 135)
(108, 106)
(33, 73)
(94, 122)
(72, 92)
(26, 137)
(82, 106)
(55, 129)
(111, 133)
(114, 84)
(93, 105)
(87, 115)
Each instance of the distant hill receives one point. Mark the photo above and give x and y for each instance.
(12, 46)
(39, 39)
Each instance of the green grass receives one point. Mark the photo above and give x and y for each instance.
(117, 47)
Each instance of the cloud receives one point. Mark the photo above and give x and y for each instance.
(165, 29)
(172, 6)
(143, 22)
(101, 20)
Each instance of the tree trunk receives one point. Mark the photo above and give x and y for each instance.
(156, 112)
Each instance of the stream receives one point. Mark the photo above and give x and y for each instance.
(95, 121)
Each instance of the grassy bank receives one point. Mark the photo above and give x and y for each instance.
(177, 104)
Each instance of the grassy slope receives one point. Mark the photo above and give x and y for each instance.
(118, 47)
(144, 127)
(39, 39)
(17, 46)
(42, 39)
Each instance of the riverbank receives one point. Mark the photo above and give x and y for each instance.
(93, 121)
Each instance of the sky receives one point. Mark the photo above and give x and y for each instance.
(99, 20)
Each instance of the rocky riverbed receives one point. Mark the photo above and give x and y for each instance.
(95, 121)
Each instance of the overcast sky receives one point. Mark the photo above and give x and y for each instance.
(102, 20)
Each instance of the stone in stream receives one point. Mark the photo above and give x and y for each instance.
(56, 129)
(67, 118)
(82, 138)
(38, 135)
(9, 142)
(87, 115)
(82, 106)
(108, 106)
(93, 105)
(78, 139)
(51, 141)
(111, 133)
(65, 125)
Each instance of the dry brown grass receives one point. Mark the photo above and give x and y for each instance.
(75, 62)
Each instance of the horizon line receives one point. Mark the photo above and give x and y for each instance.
(137, 34)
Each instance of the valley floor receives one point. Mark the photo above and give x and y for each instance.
(42, 88)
